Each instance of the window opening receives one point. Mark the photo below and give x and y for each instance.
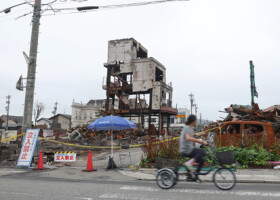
(159, 75)
(231, 129)
(252, 128)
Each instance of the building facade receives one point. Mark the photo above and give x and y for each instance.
(138, 82)
(14, 122)
(43, 121)
(84, 114)
(61, 121)
(1, 123)
(177, 122)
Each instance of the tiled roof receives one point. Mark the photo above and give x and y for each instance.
(64, 115)
(16, 119)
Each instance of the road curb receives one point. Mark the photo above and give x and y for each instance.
(140, 175)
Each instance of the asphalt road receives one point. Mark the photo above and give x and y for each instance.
(16, 186)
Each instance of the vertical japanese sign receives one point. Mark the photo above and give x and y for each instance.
(28, 147)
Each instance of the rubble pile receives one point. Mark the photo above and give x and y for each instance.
(84, 136)
(246, 113)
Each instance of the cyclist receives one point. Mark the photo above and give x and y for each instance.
(187, 148)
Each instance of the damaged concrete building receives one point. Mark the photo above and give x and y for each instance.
(138, 82)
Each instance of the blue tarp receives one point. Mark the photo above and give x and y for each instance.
(111, 123)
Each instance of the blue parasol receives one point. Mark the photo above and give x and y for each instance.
(111, 123)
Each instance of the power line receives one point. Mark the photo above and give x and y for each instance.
(14, 13)
(126, 5)
(74, 9)
(7, 10)
(24, 15)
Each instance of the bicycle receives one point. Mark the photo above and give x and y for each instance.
(223, 177)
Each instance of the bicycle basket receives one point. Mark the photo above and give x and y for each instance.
(166, 163)
(225, 157)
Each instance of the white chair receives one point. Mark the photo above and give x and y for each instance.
(124, 153)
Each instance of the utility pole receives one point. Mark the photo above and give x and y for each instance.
(8, 109)
(254, 92)
(196, 107)
(200, 125)
(192, 100)
(30, 84)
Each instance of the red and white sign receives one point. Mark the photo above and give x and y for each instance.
(65, 157)
(28, 147)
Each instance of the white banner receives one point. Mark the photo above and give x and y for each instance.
(47, 133)
(28, 147)
(65, 157)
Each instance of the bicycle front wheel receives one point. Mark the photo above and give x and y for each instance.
(224, 179)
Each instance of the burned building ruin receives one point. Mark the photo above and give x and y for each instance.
(139, 83)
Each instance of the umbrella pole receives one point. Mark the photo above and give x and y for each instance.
(112, 153)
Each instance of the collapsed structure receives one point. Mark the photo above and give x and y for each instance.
(138, 82)
(247, 114)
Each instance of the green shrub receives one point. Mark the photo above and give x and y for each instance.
(168, 149)
(252, 155)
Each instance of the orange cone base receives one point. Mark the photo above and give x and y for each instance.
(89, 170)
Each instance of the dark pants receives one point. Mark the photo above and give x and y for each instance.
(198, 155)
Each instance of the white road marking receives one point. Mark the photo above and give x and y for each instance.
(245, 193)
(126, 196)
(38, 195)
(138, 188)
(12, 171)
(21, 194)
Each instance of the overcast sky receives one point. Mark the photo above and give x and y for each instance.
(205, 45)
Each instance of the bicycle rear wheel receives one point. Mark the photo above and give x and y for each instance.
(166, 179)
(224, 179)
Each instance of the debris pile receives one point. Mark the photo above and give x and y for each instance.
(246, 113)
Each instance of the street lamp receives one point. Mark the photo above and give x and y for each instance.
(7, 10)
(88, 8)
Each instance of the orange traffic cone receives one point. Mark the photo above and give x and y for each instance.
(40, 165)
(89, 163)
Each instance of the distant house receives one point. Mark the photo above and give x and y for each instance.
(61, 121)
(1, 122)
(273, 109)
(13, 122)
(43, 121)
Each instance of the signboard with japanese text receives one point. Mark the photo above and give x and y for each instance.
(65, 157)
(181, 116)
(28, 147)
